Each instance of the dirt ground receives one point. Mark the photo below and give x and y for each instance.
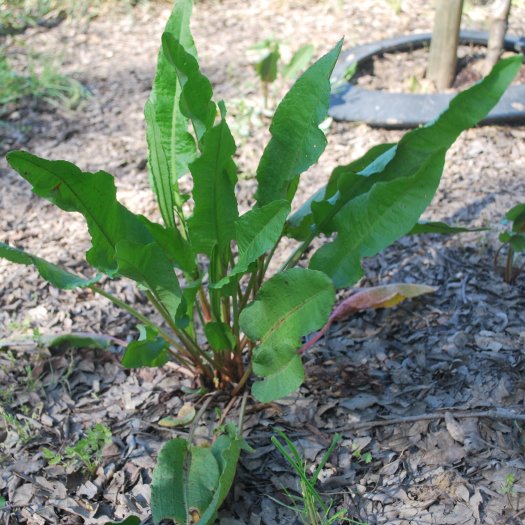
(433, 389)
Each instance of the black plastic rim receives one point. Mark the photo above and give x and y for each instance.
(407, 110)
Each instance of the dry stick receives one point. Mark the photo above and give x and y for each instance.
(498, 413)
(199, 415)
(226, 410)
(242, 411)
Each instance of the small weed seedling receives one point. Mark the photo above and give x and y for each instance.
(21, 427)
(310, 506)
(514, 241)
(41, 80)
(87, 450)
(270, 64)
(206, 269)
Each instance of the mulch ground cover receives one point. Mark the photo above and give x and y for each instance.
(433, 389)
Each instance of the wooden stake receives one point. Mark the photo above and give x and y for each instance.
(442, 62)
(498, 28)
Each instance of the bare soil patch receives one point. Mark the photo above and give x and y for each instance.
(448, 368)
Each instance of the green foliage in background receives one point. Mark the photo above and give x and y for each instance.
(207, 268)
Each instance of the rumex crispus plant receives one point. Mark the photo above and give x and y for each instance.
(205, 269)
(513, 240)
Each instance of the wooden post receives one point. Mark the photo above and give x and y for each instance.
(442, 62)
(498, 28)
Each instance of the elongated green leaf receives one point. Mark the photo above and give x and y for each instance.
(195, 98)
(149, 266)
(171, 147)
(384, 191)
(77, 340)
(91, 194)
(50, 272)
(214, 177)
(266, 68)
(168, 489)
(226, 451)
(148, 352)
(298, 61)
(257, 232)
(301, 222)
(219, 336)
(441, 227)
(290, 305)
(190, 483)
(374, 220)
(130, 520)
(178, 250)
(163, 185)
(297, 142)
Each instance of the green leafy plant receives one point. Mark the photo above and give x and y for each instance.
(40, 80)
(20, 426)
(190, 482)
(205, 270)
(87, 450)
(309, 505)
(270, 64)
(514, 241)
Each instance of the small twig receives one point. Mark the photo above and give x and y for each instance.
(200, 413)
(226, 410)
(242, 411)
(498, 413)
(243, 380)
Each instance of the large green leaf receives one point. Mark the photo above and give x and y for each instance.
(297, 142)
(399, 184)
(290, 305)
(190, 482)
(149, 266)
(171, 147)
(374, 220)
(301, 222)
(257, 231)
(214, 177)
(91, 194)
(50, 272)
(148, 352)
(195, 98)
(176, 248)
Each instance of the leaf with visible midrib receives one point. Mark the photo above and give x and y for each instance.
(171, 147)
(196, 96)
(214, 177)
(297, 142)
(149, 266)
(257, 231)
(381, 203)
(288, 306)
(191, 478)
(50, 272)
(91, 194)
